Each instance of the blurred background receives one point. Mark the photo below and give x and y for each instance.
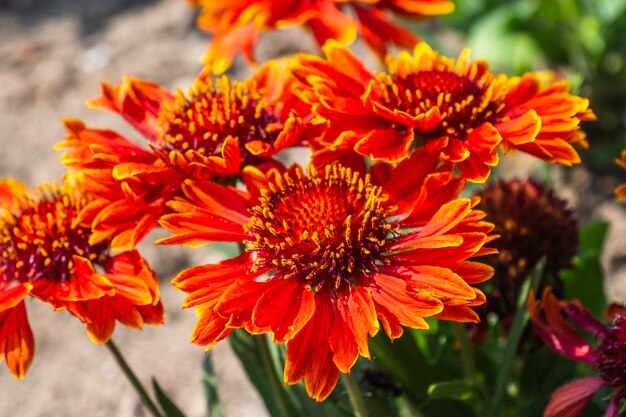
(55, 53)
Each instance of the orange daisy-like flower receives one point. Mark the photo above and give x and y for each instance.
(236, 24)
(620, 191)
(457, 109)
(209, 133)
(328, 261)
(46, 255)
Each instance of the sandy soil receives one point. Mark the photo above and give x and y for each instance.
(53, 55)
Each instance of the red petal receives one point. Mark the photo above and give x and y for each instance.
(210, 329)
(133, 279)
(309, 355)
(520, 130)
(101, 322)
(17, 344)
(396, 306)
(571, 399)
(11, 296)
(555, 331)
(85, 284)
(386, 144)
(285, 308)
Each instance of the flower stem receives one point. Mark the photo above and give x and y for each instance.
(355, 395)
(467, 352)
(282, 402)
(515, 335)
(132, 378)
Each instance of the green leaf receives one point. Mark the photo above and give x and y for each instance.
(258, 369)
(210, 387)
(167, 405)
(452, 390)
(586, 282)
(281, 400)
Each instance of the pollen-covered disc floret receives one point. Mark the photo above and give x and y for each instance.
(327, 231)
(465, 101)
(40, 241)
(611, 362)
(212, 112)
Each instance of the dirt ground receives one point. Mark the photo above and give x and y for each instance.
(53, 56)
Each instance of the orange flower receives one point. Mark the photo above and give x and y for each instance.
(329, 260)
(210, 133)
(46, 255)
(458, 110)
(236, 24)
(620, 191)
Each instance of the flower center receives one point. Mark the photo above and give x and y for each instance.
(326, 231)
(464, 103)
(39, 242)
(212, 113)
(612, 355)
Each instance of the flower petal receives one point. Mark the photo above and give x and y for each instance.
(571, 399)
(17, 344)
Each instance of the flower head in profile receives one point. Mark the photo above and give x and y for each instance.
(620, 191)
(457, 109)
(533, 223)
(329, 260)
(46, 255)
(559, 324)
(211, 133)
(236, 25)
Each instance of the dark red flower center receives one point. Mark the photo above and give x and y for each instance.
(611, 361)
(326, 231)
(40, 240)
(214, 112)
(464, 103)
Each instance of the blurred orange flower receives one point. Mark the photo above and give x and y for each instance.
(330, 258)
(457, 109)
(209, 133)
(46, 255)
(236, 24)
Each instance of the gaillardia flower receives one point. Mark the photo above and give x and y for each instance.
(532, 223)
(209, 133)
(328, 261)
(236, 24)
(559, 323)
(620, 191)
(457, 109)
(45, 254)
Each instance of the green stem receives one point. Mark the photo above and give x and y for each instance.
(515, 335)
(355, 395)
(134, 381)
(467, 352)
(283, 403)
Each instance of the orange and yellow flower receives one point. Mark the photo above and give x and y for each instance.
(45, 254)
(330, 258)
(236, 24)
(620, 191)
(209, 133)
(457, 109)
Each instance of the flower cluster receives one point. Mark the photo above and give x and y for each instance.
(370, 234)
(46, 255)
